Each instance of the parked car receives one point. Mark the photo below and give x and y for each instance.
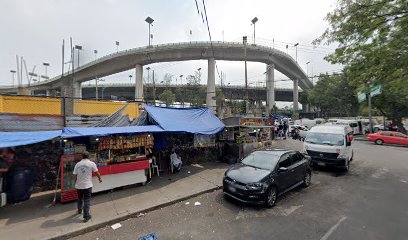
(330, 145)
(263, 175)
(388, 137)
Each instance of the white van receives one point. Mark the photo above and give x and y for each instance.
(354, 124)
(306, 122)
(329, 145)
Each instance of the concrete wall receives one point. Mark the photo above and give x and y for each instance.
(52, 106)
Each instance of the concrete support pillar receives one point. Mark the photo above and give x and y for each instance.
(67, 93)
(270, 88)
(48, 92)
(24, 91)
(139, 83)
(210, 100)
(295, 99)
(77, 90)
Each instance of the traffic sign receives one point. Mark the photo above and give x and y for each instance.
(361, 96)
(375, 90)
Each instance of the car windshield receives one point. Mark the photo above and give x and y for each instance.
(330, 139)
(264, 160)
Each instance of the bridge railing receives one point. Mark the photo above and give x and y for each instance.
(168, 46)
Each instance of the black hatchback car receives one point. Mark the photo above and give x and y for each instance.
(263, 175)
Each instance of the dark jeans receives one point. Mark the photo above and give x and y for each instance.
(84, 201)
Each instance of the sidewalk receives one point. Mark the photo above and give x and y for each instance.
(33, 220)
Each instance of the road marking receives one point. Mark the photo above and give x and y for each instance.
(334, 227)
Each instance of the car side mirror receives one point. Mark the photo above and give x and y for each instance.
(282, 169)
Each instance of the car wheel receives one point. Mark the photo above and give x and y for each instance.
(271, 197)
(307, 179)
(379, 142)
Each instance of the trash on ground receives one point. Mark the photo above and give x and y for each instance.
(116, 226)
(150, 236)
(197, 204)
(188, 172)
(140, 215)
(187, 203)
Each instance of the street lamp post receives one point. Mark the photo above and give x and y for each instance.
(117, 46)
(96, 53)
(13, 72)
(149, 20)
(199, 75)
(253, 22)
(45, 66)
(96, 87)
(181, 79)
(296, 49)
(307, 69)
(130, 78)
(77, 47)
(148, 73)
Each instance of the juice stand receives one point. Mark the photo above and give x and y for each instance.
(121, 161)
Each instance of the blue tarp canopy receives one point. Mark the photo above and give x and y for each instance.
(190, 120)
(276, 116)
(13, 139)
(104, 131)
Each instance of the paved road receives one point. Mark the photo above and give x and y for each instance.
(369, 202)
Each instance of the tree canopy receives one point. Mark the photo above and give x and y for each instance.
(334, 96)
(167, 97)
(372, 38)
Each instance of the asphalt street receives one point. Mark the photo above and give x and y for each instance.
(368, 202)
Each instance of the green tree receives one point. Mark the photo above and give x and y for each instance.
(334, 95)
(167, 97)
(373, 46)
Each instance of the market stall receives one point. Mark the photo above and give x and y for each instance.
(121, 158)
(242, 135)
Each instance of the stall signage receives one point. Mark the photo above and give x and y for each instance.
(251, 122)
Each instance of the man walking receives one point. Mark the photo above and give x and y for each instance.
(83, 174)
(285, 129)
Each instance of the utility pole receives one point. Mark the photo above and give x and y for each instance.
(369, 105)
(149, 20)
(154, 91)
(246, 75)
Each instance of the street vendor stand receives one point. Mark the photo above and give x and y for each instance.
(121, 161)
(242, 135)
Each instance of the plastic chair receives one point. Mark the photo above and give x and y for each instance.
(155, 166)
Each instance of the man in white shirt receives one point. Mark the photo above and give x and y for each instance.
(175, 161)
(83, 175)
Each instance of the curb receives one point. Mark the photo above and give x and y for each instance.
(130, 215)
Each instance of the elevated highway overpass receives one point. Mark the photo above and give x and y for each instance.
(126, 90)
(70, 82)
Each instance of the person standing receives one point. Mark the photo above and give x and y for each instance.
(280, 130)
(285, 129)
(83, 175)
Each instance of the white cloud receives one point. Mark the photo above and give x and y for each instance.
(35, 29)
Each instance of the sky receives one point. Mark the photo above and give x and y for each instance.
(36, 29)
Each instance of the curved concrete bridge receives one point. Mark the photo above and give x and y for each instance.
(70, 83)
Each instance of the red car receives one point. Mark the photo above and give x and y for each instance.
(388, 137)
